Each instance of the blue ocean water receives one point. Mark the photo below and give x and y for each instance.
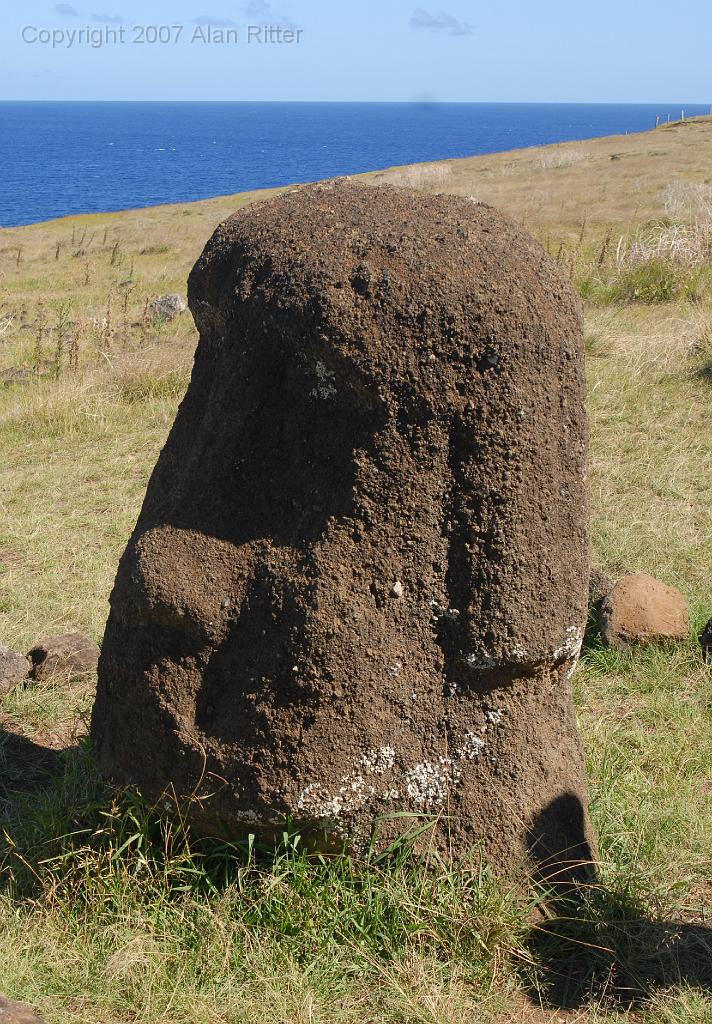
(61, 158)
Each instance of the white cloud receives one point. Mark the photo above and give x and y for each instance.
(441, 22)
(255, 12)
(256, 9)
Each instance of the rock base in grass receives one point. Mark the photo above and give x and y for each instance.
(66, 656)
(706, 641)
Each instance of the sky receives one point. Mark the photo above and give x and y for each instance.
(397, 50)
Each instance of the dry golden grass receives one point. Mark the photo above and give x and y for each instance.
(615, 181)
(76, 449)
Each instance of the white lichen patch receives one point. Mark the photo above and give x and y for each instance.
(354, 790)
(516, 655)
(519, 654)
(571, 669)
(571, 646)
(471, 747)
(318, 803)
(249, 817)
(441, 612)
(426, 785)
(326, 387)
(378, 761)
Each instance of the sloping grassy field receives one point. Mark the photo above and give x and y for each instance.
(109, 915)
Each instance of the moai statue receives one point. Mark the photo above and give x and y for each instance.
(358, 583)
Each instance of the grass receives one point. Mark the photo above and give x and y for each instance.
(649, 281)
(156, 927)
(111, 913)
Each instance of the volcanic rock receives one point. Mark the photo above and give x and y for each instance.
(641, 610)
(14, 668)
(63, 657)
(357, 589)
(16, 1013)
(167, 307)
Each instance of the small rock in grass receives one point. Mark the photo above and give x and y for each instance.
(706, 641)
(14, 668)
(63, 657)
(167, 307)
(17, 1013)
(641, 610)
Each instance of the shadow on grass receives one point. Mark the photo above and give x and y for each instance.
(26, 766)
(597, 944)
(61, 823)
(32, 781)
(706, 373)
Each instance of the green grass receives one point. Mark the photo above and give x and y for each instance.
(651, 282)
(646, 718)
(110, 911)
(110, 900)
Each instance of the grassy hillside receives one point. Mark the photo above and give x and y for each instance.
(107, 915)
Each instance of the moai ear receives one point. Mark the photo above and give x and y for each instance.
(358, 585)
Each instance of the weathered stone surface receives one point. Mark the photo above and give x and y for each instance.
(706, 640)
(16, 1013)
(359, 581)
(641, 610)
(63, 657)
(14, 668)
(167, 307)
(599, 586)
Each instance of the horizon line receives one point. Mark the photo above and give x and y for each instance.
(413, 102)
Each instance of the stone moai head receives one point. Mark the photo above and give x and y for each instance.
(358, 585)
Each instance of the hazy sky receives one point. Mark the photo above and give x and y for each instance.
(511, 50)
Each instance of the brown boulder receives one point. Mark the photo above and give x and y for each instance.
(358, 585)
(63, 657)
(641, 610)
(14, 668)
(16, 1013)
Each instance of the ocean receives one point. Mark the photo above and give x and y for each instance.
(60, 158)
